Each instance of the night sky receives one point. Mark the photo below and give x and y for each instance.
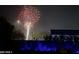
(52, 16)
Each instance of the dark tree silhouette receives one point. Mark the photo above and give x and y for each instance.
(5, 34)
(5, 29)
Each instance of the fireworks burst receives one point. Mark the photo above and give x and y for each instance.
(27, 17)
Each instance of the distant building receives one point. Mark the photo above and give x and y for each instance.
(65, 35)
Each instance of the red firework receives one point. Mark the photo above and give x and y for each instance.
(28, 14)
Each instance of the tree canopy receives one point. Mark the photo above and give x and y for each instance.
(40, 35)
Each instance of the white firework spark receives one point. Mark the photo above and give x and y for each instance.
(28, 16)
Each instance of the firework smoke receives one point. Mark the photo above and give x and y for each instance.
(27, 17)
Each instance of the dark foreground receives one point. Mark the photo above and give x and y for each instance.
(24, 47)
